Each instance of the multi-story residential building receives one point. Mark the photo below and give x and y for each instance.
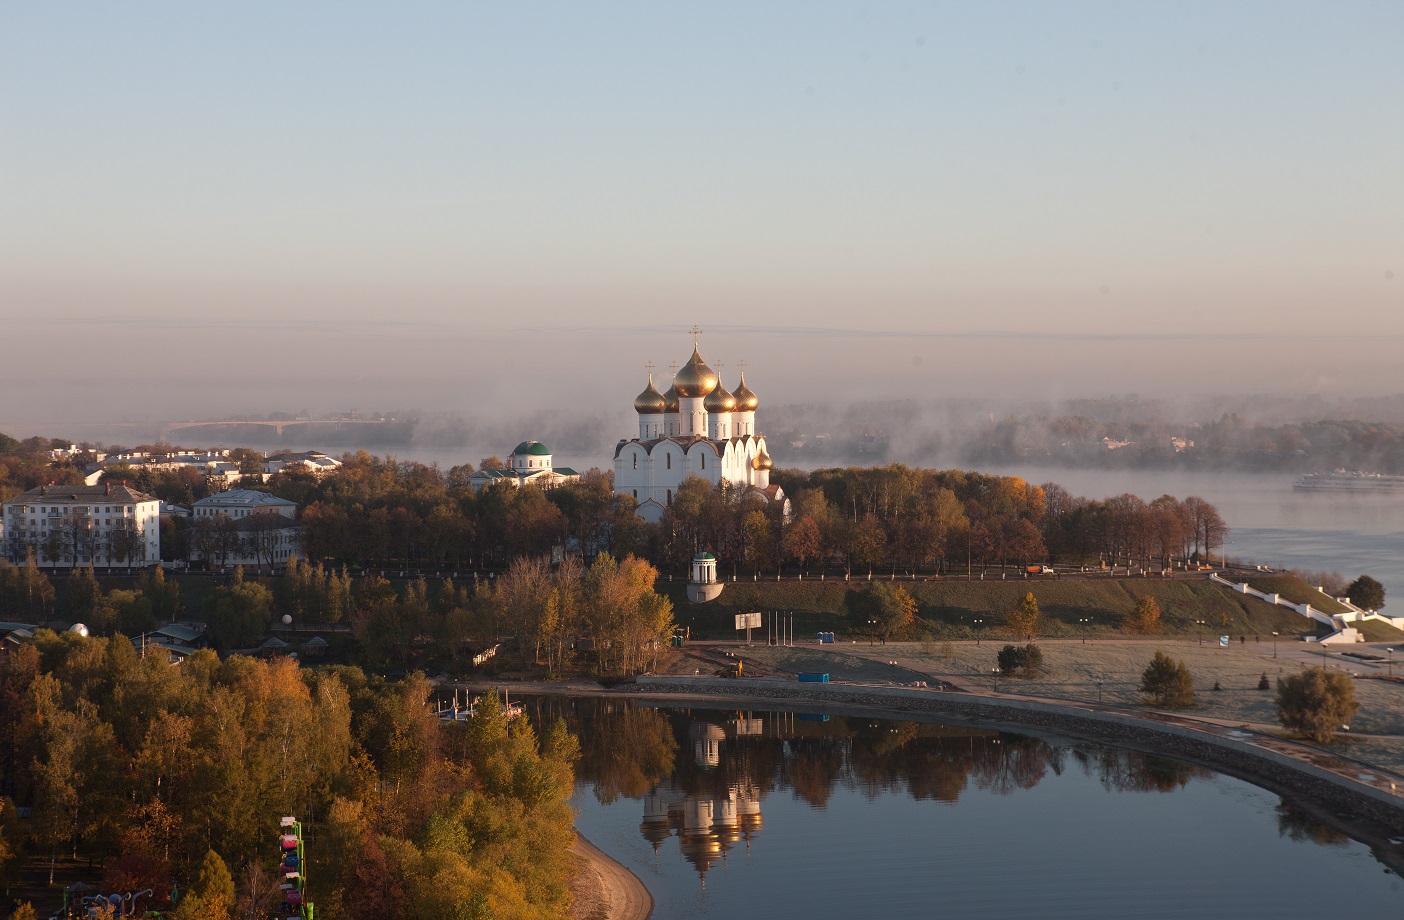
(105, 525)
(244, 527)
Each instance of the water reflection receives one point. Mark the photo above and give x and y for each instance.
(701, 778)
(758, 813)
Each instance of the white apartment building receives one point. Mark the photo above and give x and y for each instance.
(242, 503)
(105, 525)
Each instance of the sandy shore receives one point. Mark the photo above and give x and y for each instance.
(605, 890)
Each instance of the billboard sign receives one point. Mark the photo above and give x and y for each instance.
(748, 621)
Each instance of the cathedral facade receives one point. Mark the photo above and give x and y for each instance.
(696, 428)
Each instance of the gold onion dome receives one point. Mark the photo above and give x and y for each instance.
(695, 379)
(719, 400)
(746, 401)
(650, 401)
(670, 400)
(761, 461)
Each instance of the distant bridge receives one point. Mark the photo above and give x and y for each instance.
(338, 424)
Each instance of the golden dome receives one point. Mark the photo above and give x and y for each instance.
(650, 401)
(761, 461)
(670, 400)
(746, 401)
(695, 379)
(719, 400)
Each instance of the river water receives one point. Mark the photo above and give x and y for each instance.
(764, 814)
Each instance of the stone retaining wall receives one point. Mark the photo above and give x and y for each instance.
(1256, 764)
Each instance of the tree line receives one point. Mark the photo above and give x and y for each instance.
(147, 768)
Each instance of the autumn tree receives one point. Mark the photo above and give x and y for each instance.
(888, 608)
(1317, 703)
(802, 540)
(1024, 620)
(212, 895)
(628, 621)
(1146, 617)
(1168, 682)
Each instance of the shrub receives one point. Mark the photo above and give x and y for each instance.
(1021, 660)
(1316, 703)
(1168, 681)
(1264, 683)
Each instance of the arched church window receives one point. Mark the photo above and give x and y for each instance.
(670, 496)
(670, 465)
(636, 461)
(704, 461)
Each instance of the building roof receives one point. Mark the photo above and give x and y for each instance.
(243, 498)
(534, 448)
(103, 493)
(495, 474)
(181, 632)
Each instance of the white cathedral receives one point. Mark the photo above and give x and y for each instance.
(696, 428)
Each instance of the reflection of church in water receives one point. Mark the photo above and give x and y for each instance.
(708, 824)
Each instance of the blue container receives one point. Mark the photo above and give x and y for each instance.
(814, 678)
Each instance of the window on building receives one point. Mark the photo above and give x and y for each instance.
(670, 496)
(670, 464)
(704, 461)
(636, 462)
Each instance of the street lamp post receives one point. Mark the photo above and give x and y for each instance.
(1201, 635)
(1099, 690)
(1274, 643)
(979, 624)
(1084, 622)
(996, 678)
(1390, 652)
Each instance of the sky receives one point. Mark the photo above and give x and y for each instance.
(494, 208)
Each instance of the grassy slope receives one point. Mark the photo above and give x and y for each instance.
(1292, 588)
(948, 609)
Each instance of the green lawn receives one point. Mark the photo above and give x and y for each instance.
(951, 609)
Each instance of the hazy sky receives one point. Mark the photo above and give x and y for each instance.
(478, 206)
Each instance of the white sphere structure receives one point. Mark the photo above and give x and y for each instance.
(78, 628)
(287, 619)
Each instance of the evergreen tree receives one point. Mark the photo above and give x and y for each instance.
(1168, 681)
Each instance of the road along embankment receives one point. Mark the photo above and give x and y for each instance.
(1329, 787)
